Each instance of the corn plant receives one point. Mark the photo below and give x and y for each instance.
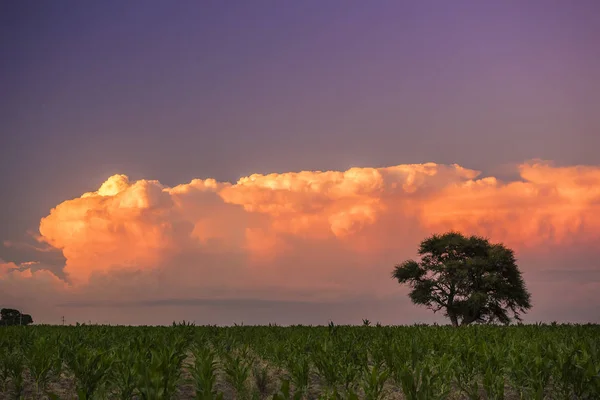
(4, 370)
(285, 393)
(15, 364)
(492, 372)
(299, 372)
(326, 363)
(535, 361)
(59, 351)
(422, 381)
(238, 369)
(124, 374)
(40, 362)
(466, 372)
(333, 394)
(373, 380)
(530, 370)
(90, 367)
(279, 355)
(261, 379)
(159, 371)
(586, 372)
(203, 371)
(420, 378)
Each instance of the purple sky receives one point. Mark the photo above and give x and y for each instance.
(196, 89)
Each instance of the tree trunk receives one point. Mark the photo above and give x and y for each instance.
(450, 307)
(453, 319)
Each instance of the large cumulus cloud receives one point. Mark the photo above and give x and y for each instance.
(310, 236)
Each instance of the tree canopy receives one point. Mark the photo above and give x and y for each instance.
(8, 316)
(469, 278)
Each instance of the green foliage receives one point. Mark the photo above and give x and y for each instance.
(468, 278)
(40, 361)
(530, 369)
(585, 374)
(15, 367)
(492, 371)
(466, 371)
(90, 366)
(237, 367)
(159, 369)
(124, 372)
(261, 379)
(4, 367)
(372, 382)
(422, 376)
(285, 392)
(299, 371)
(11, 317)
(327, 362)
(203, 371)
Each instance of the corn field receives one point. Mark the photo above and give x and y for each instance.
(300, 362)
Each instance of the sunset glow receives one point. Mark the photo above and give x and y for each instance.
(273, 162)
(268, 223)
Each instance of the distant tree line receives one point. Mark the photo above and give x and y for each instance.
(9, 317)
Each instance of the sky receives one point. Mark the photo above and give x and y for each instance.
(270, 162)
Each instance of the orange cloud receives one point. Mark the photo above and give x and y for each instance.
(19, 284)
(125, 224)
(303, 236)
(140, 225)
(551, 205)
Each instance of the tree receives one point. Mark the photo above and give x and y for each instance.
(469, 278)
(9, 316)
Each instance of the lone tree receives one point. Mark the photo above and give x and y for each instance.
(469, 278)
(8, 316)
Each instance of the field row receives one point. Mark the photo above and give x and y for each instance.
(299, 362)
